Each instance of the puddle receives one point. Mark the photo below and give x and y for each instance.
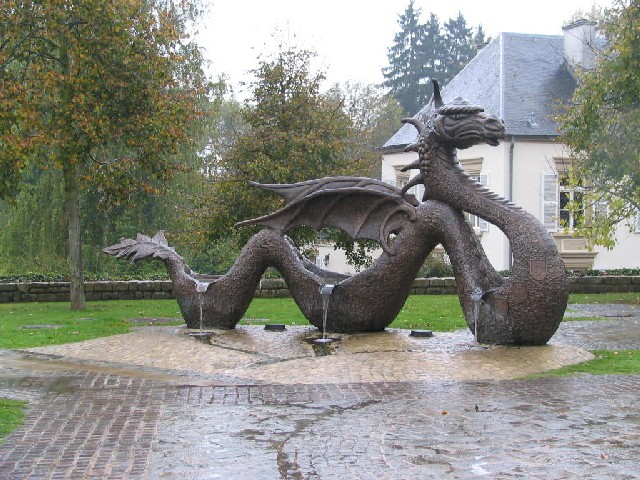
(322, 349)
(61, 385)
(11, 383)
(204, 337)
(48, 363)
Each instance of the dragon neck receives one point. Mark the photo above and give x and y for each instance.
(447, 182)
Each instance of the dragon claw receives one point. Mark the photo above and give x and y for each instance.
(418, 179)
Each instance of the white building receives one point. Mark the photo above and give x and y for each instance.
(522, 78)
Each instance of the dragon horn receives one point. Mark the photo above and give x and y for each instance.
(421, 127)
(437, 98)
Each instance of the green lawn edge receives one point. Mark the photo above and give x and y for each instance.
(12, 415)
(607, 362)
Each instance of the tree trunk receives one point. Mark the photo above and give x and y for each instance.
(72, 208)
(71, 195)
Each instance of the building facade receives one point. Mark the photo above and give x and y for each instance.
(523, 79)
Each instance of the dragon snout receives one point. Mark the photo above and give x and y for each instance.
(493, 130)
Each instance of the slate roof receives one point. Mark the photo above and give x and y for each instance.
(518, 77)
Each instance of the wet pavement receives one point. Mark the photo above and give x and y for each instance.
(156, 404)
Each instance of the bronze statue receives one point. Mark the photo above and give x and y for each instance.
(525, 308)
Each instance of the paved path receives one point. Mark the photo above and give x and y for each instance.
(154, 404)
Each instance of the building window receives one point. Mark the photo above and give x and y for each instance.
(569, 194)
(473, 167)
(557, 196)
(475, 221)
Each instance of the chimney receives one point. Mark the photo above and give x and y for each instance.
(579, 43)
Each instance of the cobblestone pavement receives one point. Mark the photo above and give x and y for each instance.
(266, 405)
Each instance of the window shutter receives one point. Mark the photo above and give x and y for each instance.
(483, 225)
(601, 209)
(550, 201)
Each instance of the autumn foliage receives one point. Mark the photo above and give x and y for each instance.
(104, 91)
(601, 127)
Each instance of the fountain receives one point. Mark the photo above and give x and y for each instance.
(525, 308)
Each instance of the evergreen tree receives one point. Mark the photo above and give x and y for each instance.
(407, 62)
(479, 38)
(432, 53)
(421, 52)
(458, 48)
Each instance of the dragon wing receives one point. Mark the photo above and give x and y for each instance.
(362, 207)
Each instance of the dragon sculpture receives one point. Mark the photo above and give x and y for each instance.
(525, 308)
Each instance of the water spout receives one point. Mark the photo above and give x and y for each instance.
(476, 297)
(325, 291)
(201, 287)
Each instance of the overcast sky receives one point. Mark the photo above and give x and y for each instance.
(351, 37)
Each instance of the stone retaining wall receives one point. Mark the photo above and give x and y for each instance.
(272, 287)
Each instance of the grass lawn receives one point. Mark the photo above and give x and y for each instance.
(100, 319)
(441, 313)
(632, 298)
(607, 362)
(11, 416)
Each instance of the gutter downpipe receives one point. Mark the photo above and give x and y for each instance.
(511, 148)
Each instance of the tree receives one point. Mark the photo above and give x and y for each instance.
(375, 118)
(459, 47)
(601, 127)
(421, 52)
(32, 228)
(294, 133)
(432, 56)
(405, 74)
(479, 39)
(99, 90)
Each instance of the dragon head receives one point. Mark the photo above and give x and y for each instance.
(462, 125)
(457, 124)
(444, 128)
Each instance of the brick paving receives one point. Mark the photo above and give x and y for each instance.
(259, 410)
